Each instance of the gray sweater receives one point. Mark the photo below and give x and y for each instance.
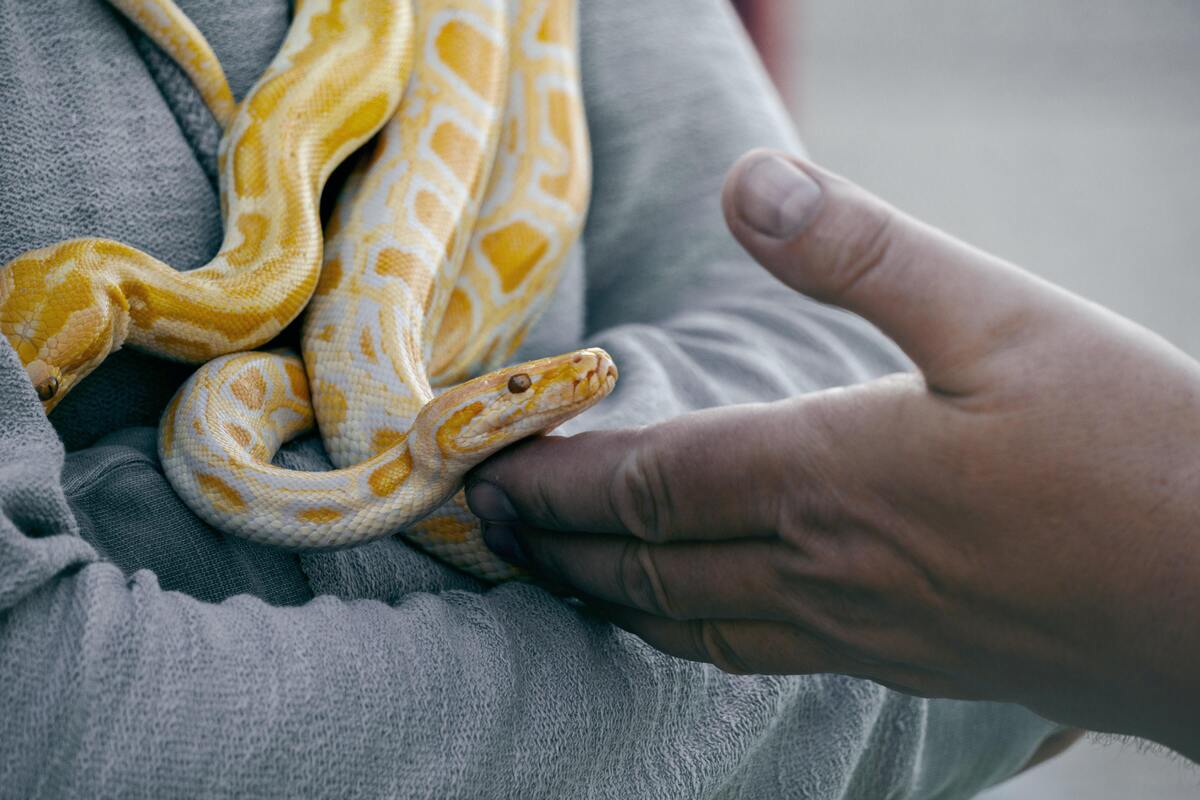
(144, 654)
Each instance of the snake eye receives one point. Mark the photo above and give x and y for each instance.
(519, 383)
(47, 389)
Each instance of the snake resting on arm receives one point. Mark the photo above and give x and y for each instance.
(443, 247)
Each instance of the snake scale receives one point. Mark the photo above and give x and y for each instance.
(443, 247)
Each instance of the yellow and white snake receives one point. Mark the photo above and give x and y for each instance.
(443, 247)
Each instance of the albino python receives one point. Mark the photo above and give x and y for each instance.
(444, 246)
(336, 80)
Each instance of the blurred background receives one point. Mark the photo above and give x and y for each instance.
(1063, 135)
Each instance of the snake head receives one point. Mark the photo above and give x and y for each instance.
(61, 318)
(468, 423)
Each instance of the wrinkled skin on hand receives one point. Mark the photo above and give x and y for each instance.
(1019, 520)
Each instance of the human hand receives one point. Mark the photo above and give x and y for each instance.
(1020, 521)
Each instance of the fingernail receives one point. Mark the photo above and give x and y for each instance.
(488, 501)
(777, 198)
(502, 540)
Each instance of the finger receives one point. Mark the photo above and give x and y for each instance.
(945, 303)
(746, 647)
(694, 580)
(741, 647)
(715, 474)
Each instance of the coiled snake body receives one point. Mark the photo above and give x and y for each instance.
(444, 245)
(65, 307)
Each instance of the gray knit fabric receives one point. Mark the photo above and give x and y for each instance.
(143, 654)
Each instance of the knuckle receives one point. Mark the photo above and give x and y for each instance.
(857, 256)
(642, 583)
(545, 509)
(640, 491)
(829, 597)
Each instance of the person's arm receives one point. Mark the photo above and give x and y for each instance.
(1018, 521)
(113, 687)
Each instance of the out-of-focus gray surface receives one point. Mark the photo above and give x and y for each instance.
(1113, 771)
(1061, 134)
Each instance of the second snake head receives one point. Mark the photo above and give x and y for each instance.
(60, 316)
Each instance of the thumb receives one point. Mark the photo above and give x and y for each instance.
(948, 305)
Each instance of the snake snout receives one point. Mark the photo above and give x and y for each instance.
(604, 371)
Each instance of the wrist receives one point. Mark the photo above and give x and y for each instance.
(1150, 684)
(1169, 680)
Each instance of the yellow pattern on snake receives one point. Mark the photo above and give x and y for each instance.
(444, 244)
(336, 80)
(540, 187)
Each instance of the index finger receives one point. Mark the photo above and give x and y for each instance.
(715, 474)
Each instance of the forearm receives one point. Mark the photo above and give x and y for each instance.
(113, 686)
(1146, 681)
